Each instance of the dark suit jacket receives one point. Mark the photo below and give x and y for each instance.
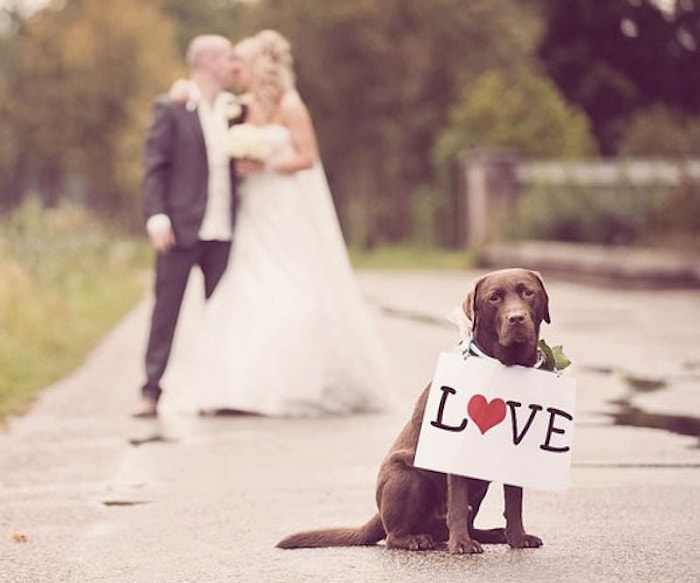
(176, 170)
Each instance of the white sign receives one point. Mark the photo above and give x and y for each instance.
(512, 425)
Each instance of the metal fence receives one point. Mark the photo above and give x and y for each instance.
(493, 181)
(636, 172)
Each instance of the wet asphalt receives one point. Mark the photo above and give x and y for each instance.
(88, 494)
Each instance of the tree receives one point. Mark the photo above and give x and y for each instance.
(225, 17)
(379, 77)
(521, 111)
(86, 76)
(13, 147)
(616, 57)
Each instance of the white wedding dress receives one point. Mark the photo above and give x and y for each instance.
(286, 333)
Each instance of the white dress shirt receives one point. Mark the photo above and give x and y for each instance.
(216, 224)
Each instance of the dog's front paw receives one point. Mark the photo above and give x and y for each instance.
(522, 540)
(463, 545)
(412, 542)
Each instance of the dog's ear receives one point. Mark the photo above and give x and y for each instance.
(545, 309)
(469, 305)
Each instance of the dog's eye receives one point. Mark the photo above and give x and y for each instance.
(528, 293)
(494, 296)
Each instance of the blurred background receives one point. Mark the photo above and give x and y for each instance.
(397, 89)
(574, 121)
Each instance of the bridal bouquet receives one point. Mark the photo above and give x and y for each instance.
(248, 141)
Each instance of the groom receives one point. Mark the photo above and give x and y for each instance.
(189, 195)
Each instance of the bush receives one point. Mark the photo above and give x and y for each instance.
(587, 215)
(661, 132)
(677, 220)
(521, 111)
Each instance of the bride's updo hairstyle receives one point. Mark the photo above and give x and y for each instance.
(272, 69)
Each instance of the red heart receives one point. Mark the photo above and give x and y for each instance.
(485, 414)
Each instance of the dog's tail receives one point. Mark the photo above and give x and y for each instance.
(368, 534)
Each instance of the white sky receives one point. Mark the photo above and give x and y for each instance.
(28, 5)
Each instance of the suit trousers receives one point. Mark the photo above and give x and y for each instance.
(172, 273)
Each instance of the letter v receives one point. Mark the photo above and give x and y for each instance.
(517, 438)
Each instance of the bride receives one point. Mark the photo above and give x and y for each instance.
(286, 332)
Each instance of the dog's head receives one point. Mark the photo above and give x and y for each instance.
(506, 308)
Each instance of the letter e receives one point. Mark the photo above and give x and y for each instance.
(551, 429)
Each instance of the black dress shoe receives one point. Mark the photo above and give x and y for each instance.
(147, 409)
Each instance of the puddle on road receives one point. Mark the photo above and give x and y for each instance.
(631, 416)
(155, 438)
(125, 502)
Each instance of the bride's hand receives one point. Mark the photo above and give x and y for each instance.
(247, 166)
(180, 91)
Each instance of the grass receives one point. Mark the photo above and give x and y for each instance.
(408, 257)
(65, 280)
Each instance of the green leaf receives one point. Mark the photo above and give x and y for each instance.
(554, 357)
(561, 361)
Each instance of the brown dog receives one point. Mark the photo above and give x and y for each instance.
(419, 509)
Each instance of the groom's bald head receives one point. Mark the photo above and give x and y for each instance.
(211, 63)
(205, 48)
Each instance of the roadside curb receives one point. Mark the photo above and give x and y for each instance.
(624, 267)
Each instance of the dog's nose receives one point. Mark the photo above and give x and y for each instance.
(516, 317)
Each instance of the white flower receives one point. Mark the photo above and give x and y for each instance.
(248, 141)
(233, 110)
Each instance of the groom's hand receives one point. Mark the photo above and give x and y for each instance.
(160, 232)
(163, 241)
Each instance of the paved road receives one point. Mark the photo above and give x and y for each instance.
(85, 496)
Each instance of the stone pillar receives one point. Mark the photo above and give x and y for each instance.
(489, 194)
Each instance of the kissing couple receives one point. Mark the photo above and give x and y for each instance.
(284, 330)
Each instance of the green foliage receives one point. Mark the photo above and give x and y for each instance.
(676, 222)
(64, 281)
(426, 208)
(410, 257)
(661, 131)
(80, 94)
(395, 88)
(521, 111)
(591, 215)
(225, 17)
(379, 77)
(617, 57)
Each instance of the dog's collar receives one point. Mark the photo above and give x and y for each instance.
(471, 348)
